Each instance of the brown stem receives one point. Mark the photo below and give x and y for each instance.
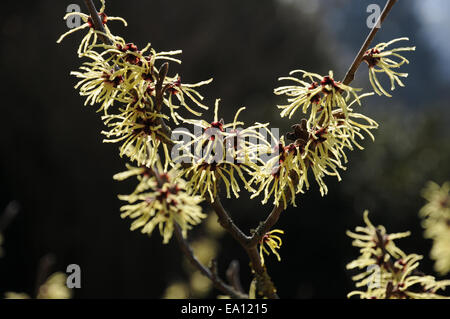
(250, 244)
(98, 25)
(360, 56)
(11, 210)
(212, 275)
(233, 275)
(273, 217)
(159, 86)
(266, 225)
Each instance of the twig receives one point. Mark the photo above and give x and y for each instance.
(44, 269)
(360, 56)
(265, 226)
(274, 215)
(250, 244)
(11, 210)
(218, 283)
(233, 275)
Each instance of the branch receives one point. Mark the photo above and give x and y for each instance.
(274, 215)
(44, 270)
(233, 276)
(250, 244)
(184, 245)
(212, 275)
(11, 210)
(98, 25)
(359, 57)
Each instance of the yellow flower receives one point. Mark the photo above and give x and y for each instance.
(16, 295)
(324, 148)
(436, 221)
(285, 170)
(182, 91)
(1, 242)
(142, 173)
(320, 148)
(388, 273)
(176, 290)
(273, 242)
(221, 152)
(55, 288)
(201, 286)
(322, 94)
(92, 36)
(160, 201)
(381, 60)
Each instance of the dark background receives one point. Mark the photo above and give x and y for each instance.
(53, 161)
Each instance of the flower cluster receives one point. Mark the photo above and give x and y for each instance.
(436, 221)
(221, 152)
(54, 287)
(206, 248)
(272, 241)
(388, 272)
(385, 61)
(136, 95)
(160, 200)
